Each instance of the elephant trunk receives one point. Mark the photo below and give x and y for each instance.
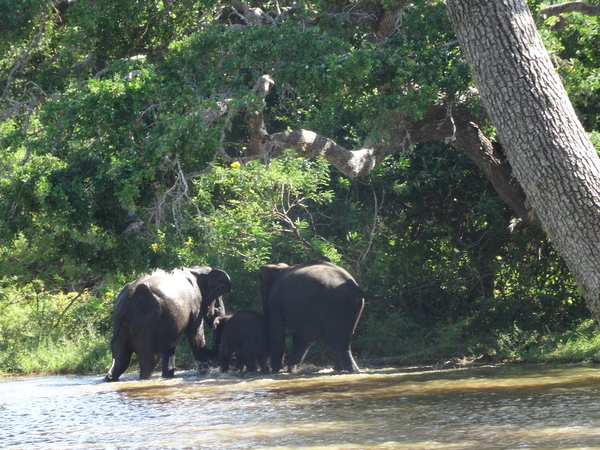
(213, 312)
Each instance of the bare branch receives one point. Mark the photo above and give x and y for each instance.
(284, 216)
(569, 7)
(376, 207)
(22, 58)
(365, 252)
(309, 144)
(452, 125)
(176, 197)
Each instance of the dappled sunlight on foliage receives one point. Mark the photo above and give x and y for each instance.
(252, 208)
(127, 144)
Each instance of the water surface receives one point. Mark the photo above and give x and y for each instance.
(541, 407)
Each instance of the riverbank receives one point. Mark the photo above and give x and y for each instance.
(92, 355)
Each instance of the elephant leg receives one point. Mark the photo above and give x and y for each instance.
(262, 362)
(249, 363)
(121, 360)
(119, 365)
(239, 363)
(148, 361)
(299, 348)
(347, 361)
(276, 342)
(341, 347)
(224, 362)
(338, 364)
(168, 363)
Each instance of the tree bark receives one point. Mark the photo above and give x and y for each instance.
(389, 19)
(548, 149)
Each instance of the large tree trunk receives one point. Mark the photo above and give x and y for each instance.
(546, 145)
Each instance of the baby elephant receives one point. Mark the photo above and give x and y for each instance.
(245, 336)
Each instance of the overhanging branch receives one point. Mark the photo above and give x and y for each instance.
(308, 144)
(569, 7)
(441, 123)
(452, 124)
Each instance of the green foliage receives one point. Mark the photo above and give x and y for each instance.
(109, 168)
(251, 208)
(51, 332)
(465, 277)
(575, 47)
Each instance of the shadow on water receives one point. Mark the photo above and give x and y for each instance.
(542, 407)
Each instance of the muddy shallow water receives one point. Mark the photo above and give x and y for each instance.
(541, 407)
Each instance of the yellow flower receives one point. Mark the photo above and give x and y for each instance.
(235, 165)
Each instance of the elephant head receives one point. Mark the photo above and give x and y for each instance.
(213, 283)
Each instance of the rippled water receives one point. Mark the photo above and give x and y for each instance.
(485, 408)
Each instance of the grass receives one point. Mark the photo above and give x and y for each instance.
(89, 351)
(90, 354)
(581, 345)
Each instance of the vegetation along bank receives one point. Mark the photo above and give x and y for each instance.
(373, 134)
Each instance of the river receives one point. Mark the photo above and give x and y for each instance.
(500, 407)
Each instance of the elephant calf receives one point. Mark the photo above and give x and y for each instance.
(245, 336)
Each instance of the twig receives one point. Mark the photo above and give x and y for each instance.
(24, 55)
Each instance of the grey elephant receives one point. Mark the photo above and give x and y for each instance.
(153, 312)
(245, 336)
(317, 301)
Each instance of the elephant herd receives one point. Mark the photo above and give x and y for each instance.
(316, 300)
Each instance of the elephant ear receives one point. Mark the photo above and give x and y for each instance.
(268, 276)
(213, 283)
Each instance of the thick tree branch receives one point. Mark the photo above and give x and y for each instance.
(492, 161)
(258, 130)
(390, 19)
(455, 126)
(256, 16)
(569, 7)
(452, 124)
(309, 144)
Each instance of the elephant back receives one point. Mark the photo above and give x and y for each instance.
(153, 295)
(324, 276)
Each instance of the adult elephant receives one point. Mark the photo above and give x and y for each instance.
(316, 300)
(153, 312)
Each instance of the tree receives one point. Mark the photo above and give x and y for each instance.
(107, 125)
(549, 151)
(157, 134)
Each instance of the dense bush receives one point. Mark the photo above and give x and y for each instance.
(110, 168)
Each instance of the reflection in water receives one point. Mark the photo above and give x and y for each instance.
(484, 408)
